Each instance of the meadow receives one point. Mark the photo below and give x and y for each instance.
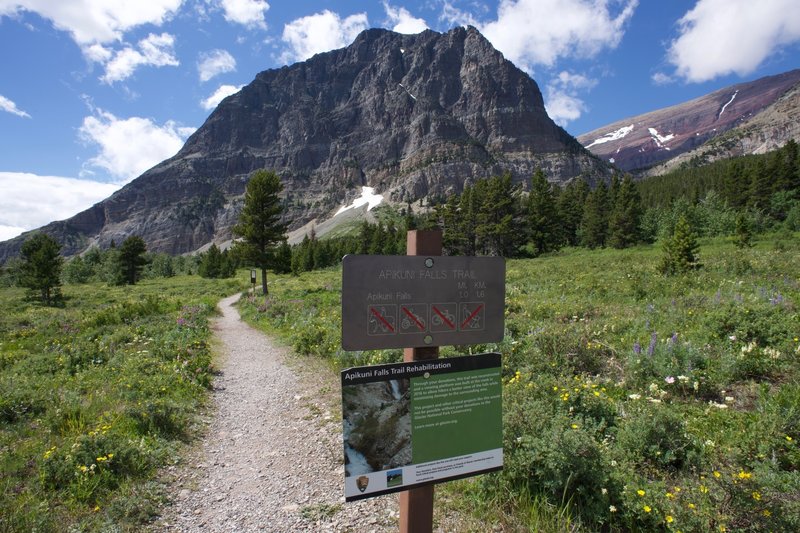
(98, 395)
(633, 401)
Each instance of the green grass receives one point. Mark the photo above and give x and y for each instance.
(632, 401)
(96, 396)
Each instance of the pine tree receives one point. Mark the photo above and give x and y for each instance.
(626, 215)
(744, 233)
(543, 231)
(41, 267)
(260, 225)
(570, 211)
(131, 259)
(594, 224)
(680, 250)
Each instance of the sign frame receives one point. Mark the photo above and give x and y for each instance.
(391, 301)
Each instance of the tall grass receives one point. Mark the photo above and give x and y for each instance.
(632, 401)
(96, 396)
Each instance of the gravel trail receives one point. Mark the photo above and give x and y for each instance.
(271, 459)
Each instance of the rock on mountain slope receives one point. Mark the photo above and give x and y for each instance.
(410, 115)
(746, 118)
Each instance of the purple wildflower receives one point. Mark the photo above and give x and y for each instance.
(652, 347)
(637, 348)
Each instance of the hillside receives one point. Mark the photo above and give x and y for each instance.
(747, 118)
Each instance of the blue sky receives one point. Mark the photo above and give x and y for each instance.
(94, 92)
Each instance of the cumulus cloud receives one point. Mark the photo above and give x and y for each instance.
(720, 37)
(95, 21)
(153, 50)
(659, 78)
(22, 204)
(248, 13)
(539, 32)
(214, 63)
(10, 107)
(453, 16)
(130, 146)
(219, 95)
(562, 101)
(401, 21)
(320, 32)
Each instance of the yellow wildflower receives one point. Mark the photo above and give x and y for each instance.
(640, 492)
(646, 508)
(756, 495)
(669, 519)
(717, 474)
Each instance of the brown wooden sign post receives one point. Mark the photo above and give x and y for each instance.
(416, 505)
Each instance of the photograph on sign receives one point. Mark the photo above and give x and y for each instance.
(391, 301)
(411, 424)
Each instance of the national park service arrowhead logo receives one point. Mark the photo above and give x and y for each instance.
(362, 482)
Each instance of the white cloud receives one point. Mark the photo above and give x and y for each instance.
(219, 95)
(320, 32)
(130, 146)
(453, 16)
(659, 78)
(10, 107)
(539, 32)
(214, 63)
(248, 13)
(30, 201)
(154, 50)
(402, 21)
(95, 21)
(563, 103)
(719, 37)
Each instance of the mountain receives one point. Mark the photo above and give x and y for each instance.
(411, 116)
(747, 118)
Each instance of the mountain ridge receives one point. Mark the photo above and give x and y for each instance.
(645, 144)
(413, 116)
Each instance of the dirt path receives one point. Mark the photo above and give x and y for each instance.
(272, 456)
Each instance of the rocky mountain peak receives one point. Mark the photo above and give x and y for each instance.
(411, 116)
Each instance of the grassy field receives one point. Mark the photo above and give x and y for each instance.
(96, 396)
(632, 401)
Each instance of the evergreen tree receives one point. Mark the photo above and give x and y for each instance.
(760, 186)
(260, 227)
(41, 267)
(499, 216)
(744, 233)
(623, 224)
(131, 259)
(543, 227)
(283, 258)
(77, 270)
(570, 211)
(594, 224)
(211, 263)
(680, 250)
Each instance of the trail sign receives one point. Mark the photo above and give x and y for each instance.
(391, 301)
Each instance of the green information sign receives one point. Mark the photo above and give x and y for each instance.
(411, 424)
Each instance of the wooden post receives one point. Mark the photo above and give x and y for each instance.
(416, 505)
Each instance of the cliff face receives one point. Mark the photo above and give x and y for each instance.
(410, 115)
(742, 119)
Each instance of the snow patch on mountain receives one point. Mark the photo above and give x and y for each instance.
(613, 136)
(368, 198)
(660, 139)
(721, 111)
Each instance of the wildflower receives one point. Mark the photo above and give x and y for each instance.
(640, 492)
(634, 396)
(728, 399)
(574, 426)
(766, 513)
(669, 519)
(96, 508)
(703, 489)
(670, 495)
(744, 475)
(652, 347)
(669, 380)
(637, 348)
(647, 508)
(691, 506)
(717, 474)
(612, 509)
(722, 529)
(756, 495)
(604, 490)
(683, 379)
(788, 438)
